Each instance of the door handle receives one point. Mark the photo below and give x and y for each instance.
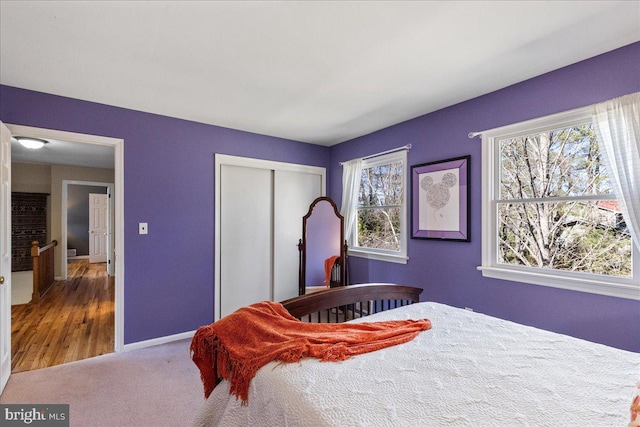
(1, 280)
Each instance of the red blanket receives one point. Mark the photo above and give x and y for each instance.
(236, 346)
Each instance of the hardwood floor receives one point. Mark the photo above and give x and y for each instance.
(73, 321)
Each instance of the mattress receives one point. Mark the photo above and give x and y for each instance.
(468, 370)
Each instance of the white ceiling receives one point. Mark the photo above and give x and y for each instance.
(59, 152)
(311, 71)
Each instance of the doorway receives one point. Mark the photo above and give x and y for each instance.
(117, 200)
(87, 222)
(72, 321)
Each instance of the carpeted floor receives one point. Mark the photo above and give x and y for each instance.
(156, 386)
(21, 287)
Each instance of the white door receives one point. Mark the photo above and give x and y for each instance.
(245, 237)
(111, 247)
(5, 255)
(98, 227)
(259, 210)
(293, 194)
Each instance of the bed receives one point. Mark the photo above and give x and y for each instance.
(469, 369)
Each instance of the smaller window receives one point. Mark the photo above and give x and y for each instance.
(380, 231)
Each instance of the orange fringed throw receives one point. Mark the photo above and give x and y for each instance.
(328, 266)
(238, 345)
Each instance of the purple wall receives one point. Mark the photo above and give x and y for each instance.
(447, 270)
(169, 183)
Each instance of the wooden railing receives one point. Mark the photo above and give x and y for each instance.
(43, 268)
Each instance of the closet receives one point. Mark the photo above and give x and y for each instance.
(259, 204)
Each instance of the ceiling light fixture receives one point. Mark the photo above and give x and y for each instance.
(32, 143)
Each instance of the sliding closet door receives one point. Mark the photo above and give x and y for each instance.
(245, 236)
(293, 194)
(259, 210)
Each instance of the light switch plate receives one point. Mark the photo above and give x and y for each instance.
(143, 228)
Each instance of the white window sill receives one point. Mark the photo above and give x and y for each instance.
(621, 288)
(359, 253)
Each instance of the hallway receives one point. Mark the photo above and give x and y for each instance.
(73, 321)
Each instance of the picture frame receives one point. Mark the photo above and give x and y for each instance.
(440, 200)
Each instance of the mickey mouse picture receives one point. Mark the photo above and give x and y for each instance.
(440, 200)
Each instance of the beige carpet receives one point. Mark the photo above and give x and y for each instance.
(21, 287)
(156, 386)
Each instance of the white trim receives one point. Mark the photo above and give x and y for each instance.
(118, 145)
(225, 159)
(63, 135)
(539, 123)
(64, 218)
(584, 282)
(609, 288)
(157, 341)
(370, 254)
(382, 153)
(250, 162)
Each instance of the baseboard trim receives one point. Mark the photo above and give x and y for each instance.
(156, 341)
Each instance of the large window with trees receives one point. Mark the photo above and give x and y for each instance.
(550, 216)
(380, 229)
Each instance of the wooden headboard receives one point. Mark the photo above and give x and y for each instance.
(335, 305)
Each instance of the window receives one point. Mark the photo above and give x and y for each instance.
(549, 214)
(380, 228)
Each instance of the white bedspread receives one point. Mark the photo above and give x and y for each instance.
(468, 370)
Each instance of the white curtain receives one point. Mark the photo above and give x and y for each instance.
(617, 126)
(351, 172)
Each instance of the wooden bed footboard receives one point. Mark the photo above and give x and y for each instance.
(336, 305)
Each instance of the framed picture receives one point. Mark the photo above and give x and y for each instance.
(440, 200)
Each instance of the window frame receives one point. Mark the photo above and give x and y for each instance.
(399, 256)
(578, 281)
